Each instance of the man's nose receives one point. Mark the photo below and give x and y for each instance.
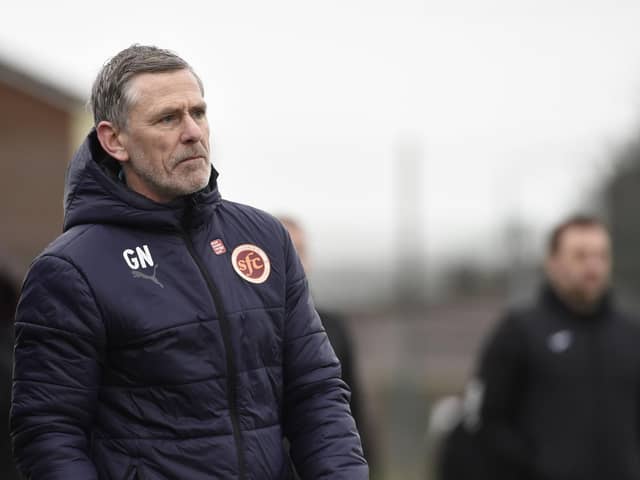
(192, 131)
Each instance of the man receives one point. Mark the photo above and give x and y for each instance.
(559, 381)
(169, 334)
(342, 343)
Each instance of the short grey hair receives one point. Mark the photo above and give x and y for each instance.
(110, 96)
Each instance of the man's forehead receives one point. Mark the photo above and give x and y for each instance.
(584, 235)
(160, 85)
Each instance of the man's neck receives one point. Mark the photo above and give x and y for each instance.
(579, 305)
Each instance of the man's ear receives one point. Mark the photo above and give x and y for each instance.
(109, 138)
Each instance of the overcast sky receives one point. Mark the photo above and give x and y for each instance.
(516, 106)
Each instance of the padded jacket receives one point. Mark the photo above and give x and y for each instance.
(173, 341)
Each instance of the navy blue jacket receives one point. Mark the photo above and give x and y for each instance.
(141, 353)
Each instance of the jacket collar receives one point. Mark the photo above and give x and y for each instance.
(93, 194)
(550, 297)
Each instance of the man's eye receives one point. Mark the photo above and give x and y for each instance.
(167, 119)
(199, 114)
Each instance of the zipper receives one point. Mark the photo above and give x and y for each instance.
(232, 392)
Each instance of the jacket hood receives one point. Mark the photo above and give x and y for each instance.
(93, 194)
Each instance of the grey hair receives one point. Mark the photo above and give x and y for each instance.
(110, 96)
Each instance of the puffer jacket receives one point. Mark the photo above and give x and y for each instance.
(173, 341)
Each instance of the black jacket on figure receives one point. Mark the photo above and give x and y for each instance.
(459, 456)
(561, 394)
(341, 340)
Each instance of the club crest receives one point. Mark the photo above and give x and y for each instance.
(251, 263)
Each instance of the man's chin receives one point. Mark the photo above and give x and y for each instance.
(196, 185)
(591, 298)
(196, 175)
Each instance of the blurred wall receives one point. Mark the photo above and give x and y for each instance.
(36, 140)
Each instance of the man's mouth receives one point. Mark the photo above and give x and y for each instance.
(191, 158)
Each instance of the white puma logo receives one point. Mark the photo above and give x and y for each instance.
(153, 278)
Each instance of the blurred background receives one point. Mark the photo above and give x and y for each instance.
(426, 146)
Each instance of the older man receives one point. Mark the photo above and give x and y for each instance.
(168, 333)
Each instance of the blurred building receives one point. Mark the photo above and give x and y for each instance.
(39, 129)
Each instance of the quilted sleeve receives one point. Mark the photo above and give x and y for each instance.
(324, 440)
(58, 354)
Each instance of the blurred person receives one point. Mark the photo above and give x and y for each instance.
(559, 381)
(445, 417)
(168, 333)
(341, 340)
(8, 300)
(453, 452)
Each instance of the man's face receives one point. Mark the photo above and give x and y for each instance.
(166, 138)
(581, 266)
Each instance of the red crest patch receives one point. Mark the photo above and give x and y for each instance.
(251, 263)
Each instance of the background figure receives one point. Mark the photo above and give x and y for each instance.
(342, 343)
(558, 380)
(451, 440)
(445, 416)
(8, 301)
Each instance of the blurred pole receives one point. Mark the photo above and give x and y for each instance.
(410, 272)
(517, 250)
(407, 390)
